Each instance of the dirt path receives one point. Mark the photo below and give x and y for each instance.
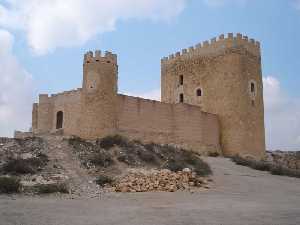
(241, 196)
(79, 179)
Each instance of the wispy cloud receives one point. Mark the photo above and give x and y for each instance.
(282, 116)
(218, 3)
(50, 24)
(16, 89)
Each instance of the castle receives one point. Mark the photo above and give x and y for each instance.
(211, 101)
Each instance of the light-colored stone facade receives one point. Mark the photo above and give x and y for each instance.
(211, 101)
(223, 77)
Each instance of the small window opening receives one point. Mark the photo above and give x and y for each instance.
(253, 103)
(59, 119)
(108, 61)
(181, 80)
(199, 92)
(87, 61)
(181, 98)
(252, 87)
(97, 60)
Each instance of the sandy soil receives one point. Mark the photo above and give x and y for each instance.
(240, 196)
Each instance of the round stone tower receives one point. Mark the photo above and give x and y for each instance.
(99, 95)
(223, 77)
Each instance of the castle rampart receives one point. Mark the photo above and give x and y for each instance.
(212, 101)
(179, 124)
(216, 46)
(223, 77)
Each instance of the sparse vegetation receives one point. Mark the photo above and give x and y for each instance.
(24, 166)
(102, 180)
(283, 171)
(52, 188)
(266, 166)
(101, 158)
(187, 159)
(136, 154)
(257, 165)
(213, 154)
(9, 185)
(298, 155)
(110, 141)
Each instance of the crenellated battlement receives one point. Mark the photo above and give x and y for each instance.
(215, 46)
(107, 57)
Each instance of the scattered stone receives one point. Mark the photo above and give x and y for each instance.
(289, 159)
(158, 180)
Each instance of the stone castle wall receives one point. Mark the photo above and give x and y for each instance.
(221, 90)
(180, 124)
(223, 70)
(45, 112)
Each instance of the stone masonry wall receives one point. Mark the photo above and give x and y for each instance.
(223, 70)
(180, 124)
(68, 102)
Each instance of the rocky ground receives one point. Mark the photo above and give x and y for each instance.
(79, 168)
(287, 159)
(240, 195)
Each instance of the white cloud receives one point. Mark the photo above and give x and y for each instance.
(15, 89)
(217, 3)
(49, 24)
(282, 117)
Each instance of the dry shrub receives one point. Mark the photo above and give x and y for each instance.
(102, 180)
(52, 188)
(9, 185)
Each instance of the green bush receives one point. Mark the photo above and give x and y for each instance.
(257, 165)
(110, 141)
(283, 171)
(213, 154)
(102, 180)
(129, 159)
(187, 159)
(151, 146)
(24, 166)
(146, 156)
(102, 159)
(266, 166)
(18, 166)
(9, 185)
(52, 188)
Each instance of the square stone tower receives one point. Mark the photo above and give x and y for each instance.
(223, 77)
(98, 115)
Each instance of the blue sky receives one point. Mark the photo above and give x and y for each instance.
(47, 47)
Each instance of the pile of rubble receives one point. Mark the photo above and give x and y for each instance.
(159, 180)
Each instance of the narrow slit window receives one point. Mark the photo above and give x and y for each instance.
(59, 119)
(181, 79)
(252, 87)
(199, 92)
(181, 98)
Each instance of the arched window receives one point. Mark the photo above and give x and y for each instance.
(181, 98)
(59, 119)
(199, 92)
